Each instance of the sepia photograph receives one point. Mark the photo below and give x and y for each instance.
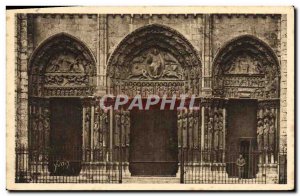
(150, 98)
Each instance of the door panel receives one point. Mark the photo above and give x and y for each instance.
(153, 148)
(65, 137)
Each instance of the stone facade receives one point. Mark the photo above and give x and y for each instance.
(201, 42)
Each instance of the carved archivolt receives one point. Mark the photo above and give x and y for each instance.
(246, 67)
(154, 53)
(61, 66)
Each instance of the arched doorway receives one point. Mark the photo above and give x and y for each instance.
(246, 72)
(61, 75)
(153, 60)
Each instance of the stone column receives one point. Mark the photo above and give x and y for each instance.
(102, 54)
(92, 130)
(202, 131)
(224, 132)
(111, 123)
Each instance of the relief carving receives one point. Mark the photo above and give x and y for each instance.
(154, 64)
(246, 67)
(154, 53)
(61, 62)
(244, 64)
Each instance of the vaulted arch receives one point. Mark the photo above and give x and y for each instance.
(62, 65)
(246, 67)
(155, 53)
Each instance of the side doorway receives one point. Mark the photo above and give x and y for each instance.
(241, 136)
(65, 136)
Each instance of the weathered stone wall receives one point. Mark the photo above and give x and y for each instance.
(190, 26)
(84, 27)
(228, 27)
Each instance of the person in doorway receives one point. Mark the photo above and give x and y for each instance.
(240, 162)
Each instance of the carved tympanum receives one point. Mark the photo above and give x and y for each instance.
(151, 56)
(61, 66)
(244, 64)
(246, 67)
(155, 64)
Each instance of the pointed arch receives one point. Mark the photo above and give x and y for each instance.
(168, 46)
(159, 35)
(249, 44)
(249, 63)
(61, 41)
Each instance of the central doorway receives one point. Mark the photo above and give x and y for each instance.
(153, 143)
(65, 136)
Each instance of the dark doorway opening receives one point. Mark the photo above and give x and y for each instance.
(241, 137)
(153, 143)
(65, 152)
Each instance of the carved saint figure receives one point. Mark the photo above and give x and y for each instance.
(155, 63)
(216, 132)
(260, 135)
(55, 65)
(96, 134)
(266, 133)
(271, 134)
(210, 132)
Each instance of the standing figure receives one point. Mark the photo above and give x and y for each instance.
(240, 162)
(260, 135)
(271, 134)
(266, 133)
(96, 134)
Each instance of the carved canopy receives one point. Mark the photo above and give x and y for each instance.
(246, 67)
(62, 66)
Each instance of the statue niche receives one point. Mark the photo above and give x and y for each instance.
(155, 64)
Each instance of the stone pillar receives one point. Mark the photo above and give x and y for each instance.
(207, 55)
(283, 84)
(202, 131)
(102, 54)
(111, 123)
(224, 132)
(22, 95)
(179, 132)
(92, 130)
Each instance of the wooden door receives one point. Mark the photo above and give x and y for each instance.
(65, 137)
(153, 146)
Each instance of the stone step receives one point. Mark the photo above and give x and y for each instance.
(152, 180)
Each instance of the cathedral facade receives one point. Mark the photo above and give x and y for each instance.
(235, 65)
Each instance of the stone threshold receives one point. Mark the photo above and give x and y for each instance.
(151, 180)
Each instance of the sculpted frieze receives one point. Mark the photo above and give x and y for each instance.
(66, 80)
